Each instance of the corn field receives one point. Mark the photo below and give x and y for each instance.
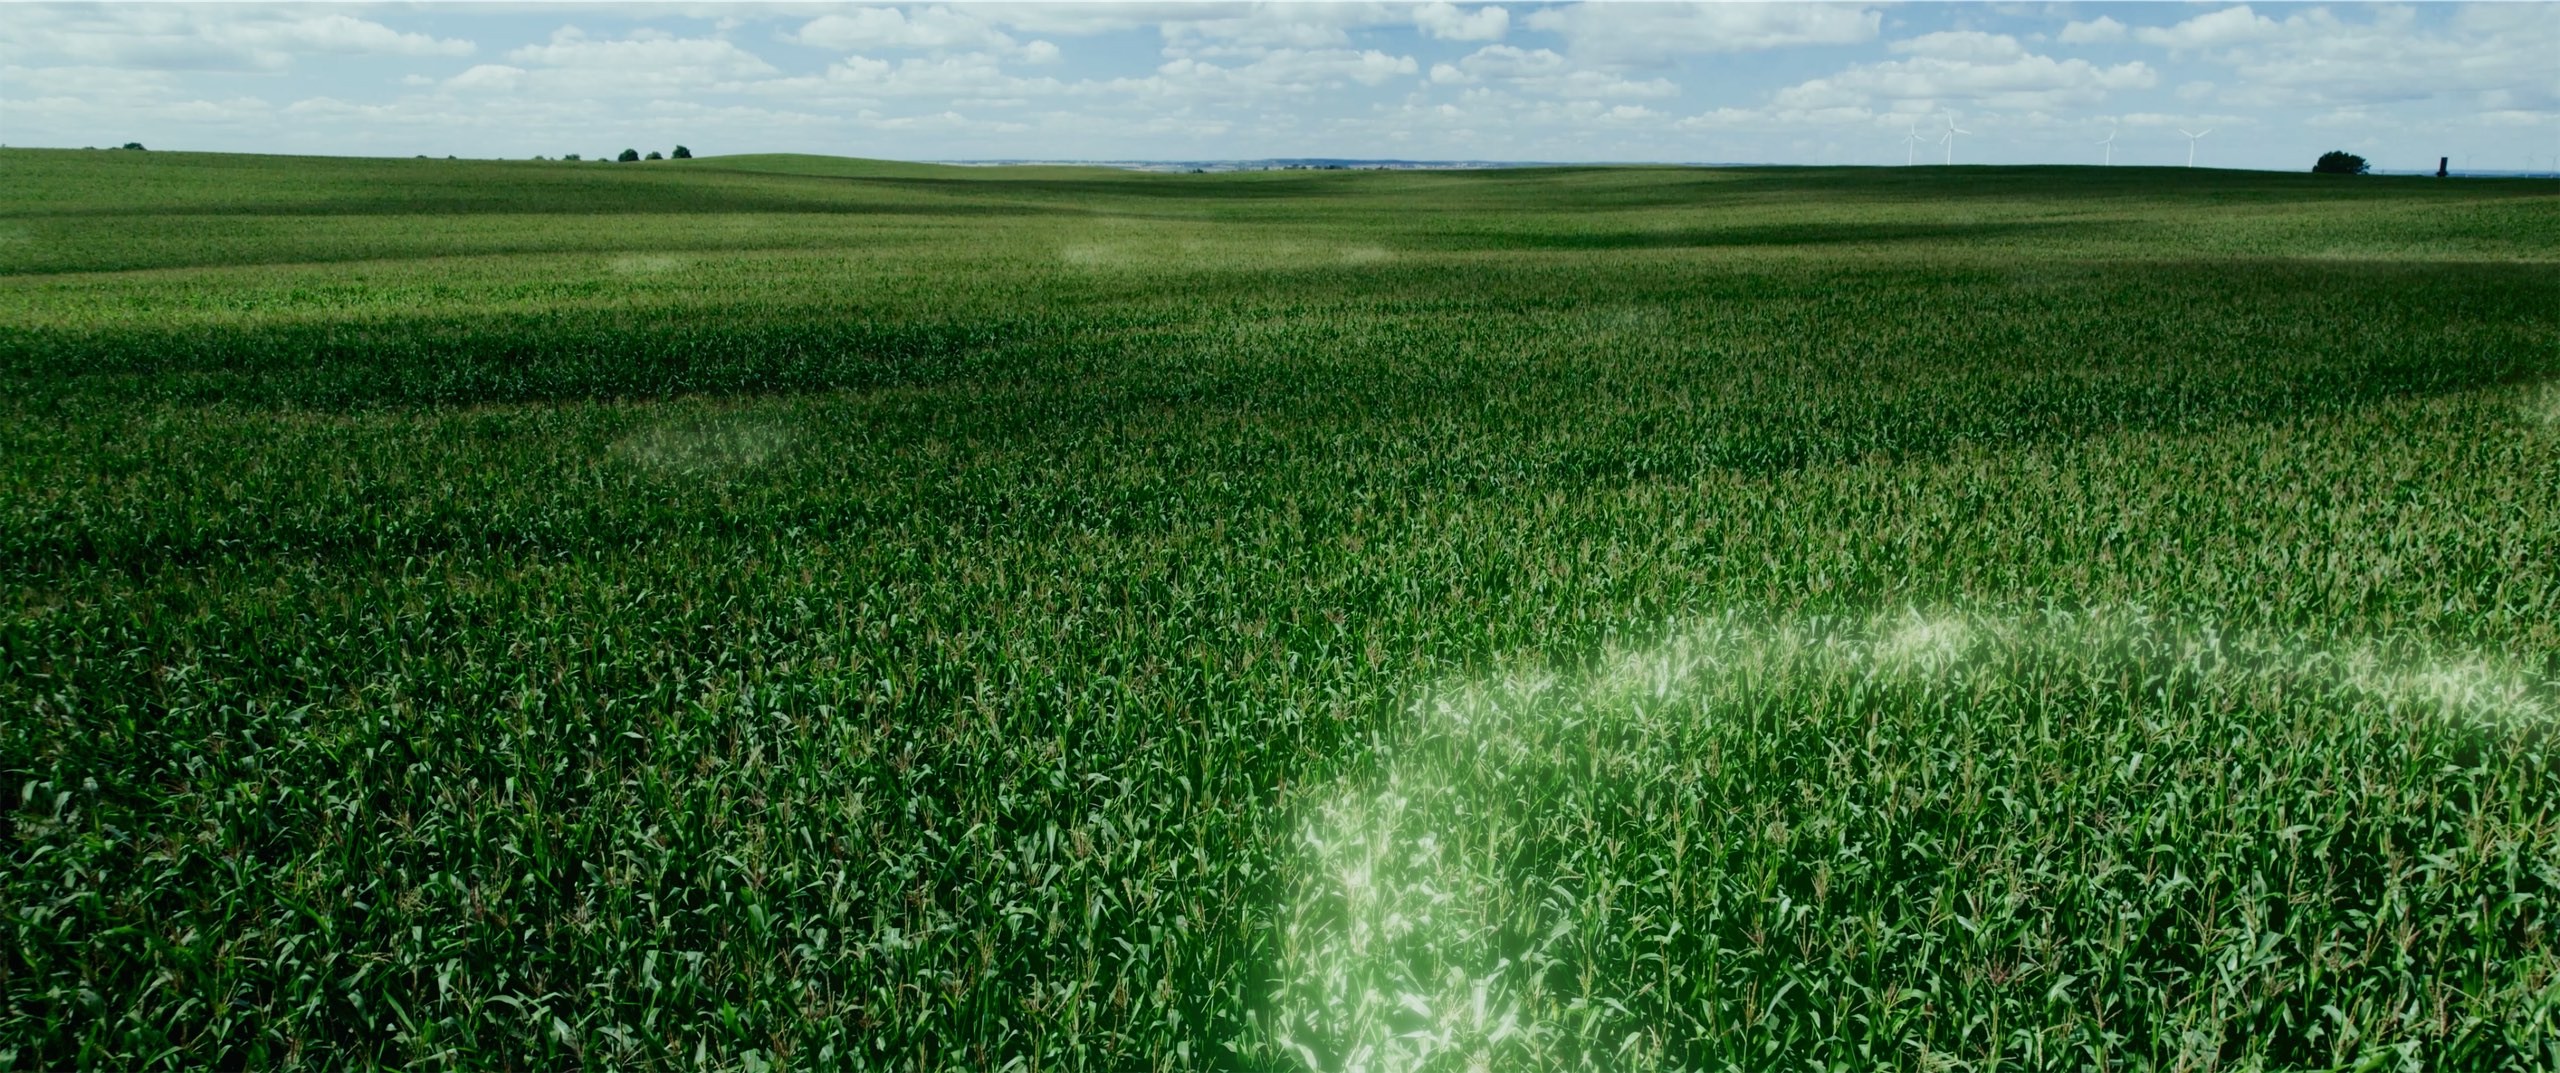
(788, 613)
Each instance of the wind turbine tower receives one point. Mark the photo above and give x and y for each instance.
(1911, 146)
(1949, 138)
(2110, 143)
(2191, 143)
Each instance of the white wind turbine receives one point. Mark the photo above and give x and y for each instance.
(2191, 143)
(2110, 143)
(1949, 138)
(1911, 146)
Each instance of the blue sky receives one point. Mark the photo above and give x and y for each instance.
(1819, 83)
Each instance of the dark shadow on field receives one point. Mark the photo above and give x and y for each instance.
(212, 246)
(1921, 188)
(54, 184)
(609, 202)
(703, 191)
(498, 359)
(1141, 186)
(1789, 234)
(2198, 346)
(2170, 185)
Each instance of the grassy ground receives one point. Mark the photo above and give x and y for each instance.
(824, 614)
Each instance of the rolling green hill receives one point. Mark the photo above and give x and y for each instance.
(785, 611)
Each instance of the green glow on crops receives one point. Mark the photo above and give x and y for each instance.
(1415, 940)
(2544, 405)
(703, 445)
(643, 264)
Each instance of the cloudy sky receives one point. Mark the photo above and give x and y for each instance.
(1778, 83)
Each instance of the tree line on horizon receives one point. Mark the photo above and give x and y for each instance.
(2333, 162)
(633, 154)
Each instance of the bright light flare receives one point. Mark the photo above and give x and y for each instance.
(702, 446)
(1413, 940)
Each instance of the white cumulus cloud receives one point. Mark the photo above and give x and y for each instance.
(2320, 58)
(1256, 27)
(207, 37)
(644, 50)
(1449, 22)
(1971, 46)
(2097, 31)
(2021, 81)
(488, 77)
(1291, 70)
(933, 29)
(2229, 26)
(1645, 33)
(1547, 72)
(968, 76)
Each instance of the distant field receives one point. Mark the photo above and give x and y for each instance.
(780, 612)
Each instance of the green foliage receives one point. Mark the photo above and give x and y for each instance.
(682, 153)
(2131, 845)
(2340, 162)
(628, 155)
(842, 614)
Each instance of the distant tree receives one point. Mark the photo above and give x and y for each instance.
(628, 155)
(568, 156)
(131, 145)
(653, 155)
(2340, 162)
(682, 153)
